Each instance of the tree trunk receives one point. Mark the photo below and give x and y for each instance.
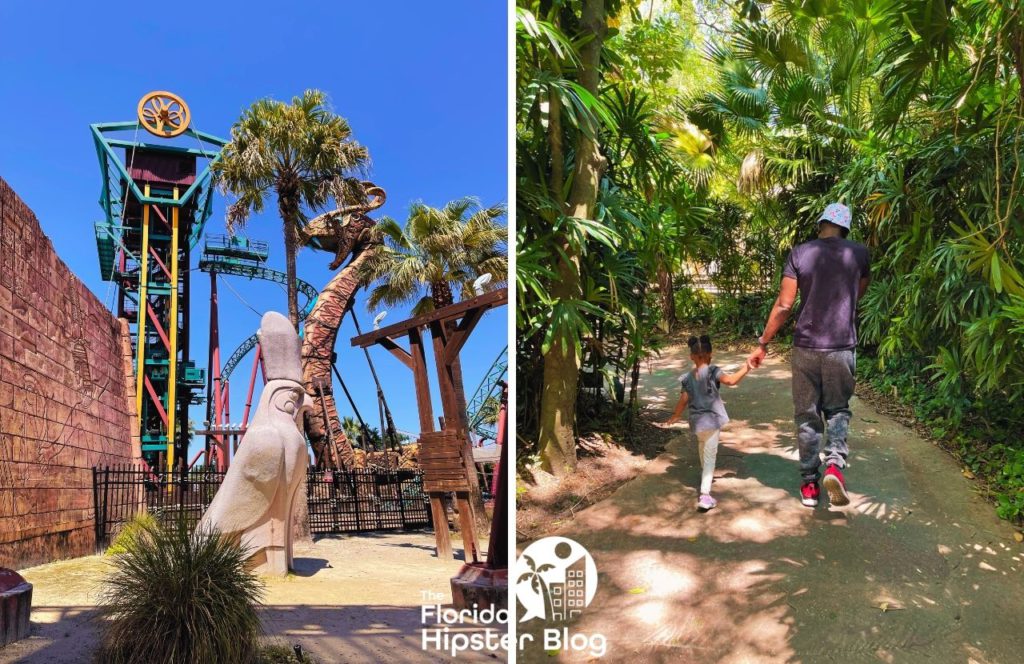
(318, 343)
(668, 297)
(291, 248)
(635, 350)
(556, 438)
(288, 207)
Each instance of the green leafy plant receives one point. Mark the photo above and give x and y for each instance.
(694, 305)
(178, 595)
(130, 531)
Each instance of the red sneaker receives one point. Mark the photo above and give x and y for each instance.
(836, 487)
(809, 493)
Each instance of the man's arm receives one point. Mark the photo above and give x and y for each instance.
(864, 283)
(776, 319)
(780, 312)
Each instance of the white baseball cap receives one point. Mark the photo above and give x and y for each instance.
(838, 214)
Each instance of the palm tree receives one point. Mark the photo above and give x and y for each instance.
(302, 152)
(560, 82)
(439, 251)
(351, 428)
(369, 439)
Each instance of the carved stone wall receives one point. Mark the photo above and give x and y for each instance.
(66, 395)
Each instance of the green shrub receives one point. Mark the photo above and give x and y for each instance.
(741, 317)
(130, 532)
(178, 595)
(693, 305)
(981, 432)
(1011, 502)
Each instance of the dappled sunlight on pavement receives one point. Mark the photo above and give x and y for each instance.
(914, 568)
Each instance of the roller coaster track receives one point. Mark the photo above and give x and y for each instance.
(488, 388)
(224, 265)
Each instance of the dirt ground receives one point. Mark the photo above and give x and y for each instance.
(917, 568)
(548, 503)
(607, 458)
(354, 599)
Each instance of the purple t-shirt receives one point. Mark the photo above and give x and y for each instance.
(828, 273)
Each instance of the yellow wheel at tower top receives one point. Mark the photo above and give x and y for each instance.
(164, 114)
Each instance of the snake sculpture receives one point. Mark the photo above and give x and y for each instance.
(347, 232)
(342, 229)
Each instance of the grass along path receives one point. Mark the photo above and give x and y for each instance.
(916, 568)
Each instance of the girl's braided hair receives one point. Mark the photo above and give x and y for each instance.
(699, 346)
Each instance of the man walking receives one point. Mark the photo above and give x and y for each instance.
(831, 274)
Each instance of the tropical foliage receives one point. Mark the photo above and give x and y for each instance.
(611, 203)
(910, 112)
(439, 251)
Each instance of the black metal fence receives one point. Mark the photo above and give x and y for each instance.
(360, 500)
(366, 499)
(120, 492)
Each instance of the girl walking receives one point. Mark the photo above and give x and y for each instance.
(707, 412)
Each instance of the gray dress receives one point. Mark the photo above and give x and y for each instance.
(707, 412)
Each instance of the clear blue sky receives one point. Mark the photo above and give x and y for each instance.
(423, 86)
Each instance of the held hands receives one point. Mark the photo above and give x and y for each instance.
(756, 357)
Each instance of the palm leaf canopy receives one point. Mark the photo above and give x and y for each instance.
(277, 145)
(438, 251)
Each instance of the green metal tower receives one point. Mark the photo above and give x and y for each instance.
(156, 201)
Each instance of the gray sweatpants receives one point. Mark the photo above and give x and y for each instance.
(822, 386)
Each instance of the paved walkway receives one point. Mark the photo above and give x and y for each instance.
(916, 569)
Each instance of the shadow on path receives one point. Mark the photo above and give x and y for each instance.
(917, 567)
(369, 633)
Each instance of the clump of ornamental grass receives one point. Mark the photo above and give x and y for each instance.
(179, 595)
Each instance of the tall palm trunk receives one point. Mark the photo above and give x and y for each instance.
(318, 341)
(556, 437)
(668, 296)
(288, 206)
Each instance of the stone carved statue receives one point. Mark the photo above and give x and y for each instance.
(255, 500)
